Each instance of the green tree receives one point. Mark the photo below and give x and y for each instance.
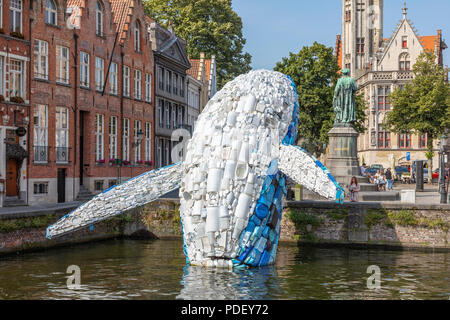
(422, 106)
(209, 26)
(314, 70)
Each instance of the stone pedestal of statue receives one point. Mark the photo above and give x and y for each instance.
(342, 160)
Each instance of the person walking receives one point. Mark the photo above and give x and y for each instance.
(389, 179)
(354, 188)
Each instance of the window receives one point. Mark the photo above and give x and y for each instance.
(40, 188)
(50, 12)
(99, 131)
(404, 62)
(113, 137)
(348, 15)
(112, 183)
(113, 78)
(404, 42)
(384, 138)
(62, 134)
(180, 116)
(126, 140)
(159, 153)
(383, 99)
(168, 81)
(99, 73)
(148, 87)
(174, 116)
(423, 140)
(137, 36)
(182, 87)
(148, 141)
(62, 64)
(126, 81)
(167, 153)
(137, 84)
(2, 75)
(161, 78)
(161, 113)
(404, 140)
(99, 19)
(137, 146)
(15, 16)
(175, 82)
(16, 82)
(84, 69)
(40, 59)
(168, 115)
(40, 134)
(98, 185)
(360, 45)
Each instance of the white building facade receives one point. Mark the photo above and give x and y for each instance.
(379, 66)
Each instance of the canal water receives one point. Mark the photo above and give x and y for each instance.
(128, 269)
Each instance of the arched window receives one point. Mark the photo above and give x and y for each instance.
(99, 19)
(137, 36)
(404, 62)
(50, 12)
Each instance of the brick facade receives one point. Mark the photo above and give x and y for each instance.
(76, 133)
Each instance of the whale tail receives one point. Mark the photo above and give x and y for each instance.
(133, 193)
(306, 170)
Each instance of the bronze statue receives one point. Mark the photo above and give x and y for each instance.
(344, 99)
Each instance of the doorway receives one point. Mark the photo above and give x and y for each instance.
(61, 185)
(12, 174)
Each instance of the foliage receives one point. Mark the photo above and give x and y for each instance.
(209, 26)
(314, 70)
(423, 106)
(26, 223)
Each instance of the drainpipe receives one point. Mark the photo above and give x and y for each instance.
(122, 54)
(75, 112)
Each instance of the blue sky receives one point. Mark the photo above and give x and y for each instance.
(273, 28)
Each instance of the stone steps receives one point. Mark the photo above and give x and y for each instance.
(13, 202)
(84, 194)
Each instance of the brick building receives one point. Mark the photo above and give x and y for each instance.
(84, 136)
(15, 104)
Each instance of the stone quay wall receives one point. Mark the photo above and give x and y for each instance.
(368, 224)
(306, 222)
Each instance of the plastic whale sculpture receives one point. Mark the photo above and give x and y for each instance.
(233, 178)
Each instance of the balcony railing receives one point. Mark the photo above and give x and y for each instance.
(62, 154)
(40, 154)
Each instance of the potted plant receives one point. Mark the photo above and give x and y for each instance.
(149, 163)
(139, 162)
(100, 161)
(125, 162)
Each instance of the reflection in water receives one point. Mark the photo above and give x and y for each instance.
(216, 284)
(126, 269)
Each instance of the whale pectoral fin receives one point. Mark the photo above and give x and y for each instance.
(306, 170)
(133, 193)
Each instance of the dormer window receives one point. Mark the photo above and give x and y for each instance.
(99, 19)
(50, 13)
(137, 37)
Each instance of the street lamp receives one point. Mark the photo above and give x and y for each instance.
(442, 189)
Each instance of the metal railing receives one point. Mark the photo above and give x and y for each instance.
(40, 154)
(62, 154)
